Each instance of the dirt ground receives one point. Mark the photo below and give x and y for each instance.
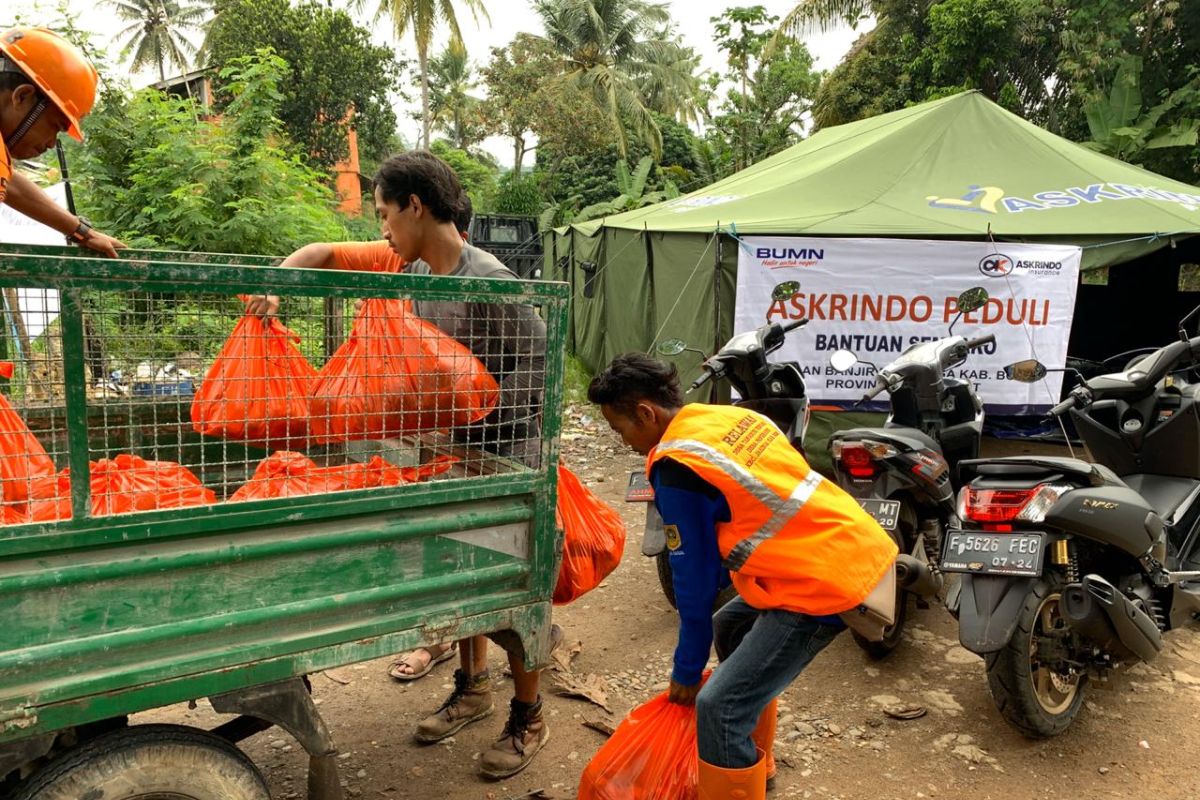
(1138, 737)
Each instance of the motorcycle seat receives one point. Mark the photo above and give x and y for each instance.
(1041, 466)
(908, 439)
(1165, 493)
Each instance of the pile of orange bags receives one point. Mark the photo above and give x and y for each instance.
(287, 474)
(120, 485)
(23, 460)
(257, 388)
(397, 374)
(593, 538)
(650, 756)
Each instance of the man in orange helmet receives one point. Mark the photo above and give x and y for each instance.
(46, 87)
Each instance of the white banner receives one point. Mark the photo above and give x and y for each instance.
(876, 297)
(39, 307)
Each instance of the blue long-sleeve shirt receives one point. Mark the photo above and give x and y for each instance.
(691, 508)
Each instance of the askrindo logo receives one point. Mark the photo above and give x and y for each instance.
(980, 199)
(996, 265)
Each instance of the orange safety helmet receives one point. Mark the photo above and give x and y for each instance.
(57, 67)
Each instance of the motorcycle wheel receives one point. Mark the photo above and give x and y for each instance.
(1039, 700)
(663, 562)
(894, 634)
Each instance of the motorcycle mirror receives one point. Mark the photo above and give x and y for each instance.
(972, 299)
(671, 347)
(842, 360)
(1028, 371)
(785, 290)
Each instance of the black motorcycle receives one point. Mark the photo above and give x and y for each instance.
(902, 473)
(773, 390)
(1070, 568)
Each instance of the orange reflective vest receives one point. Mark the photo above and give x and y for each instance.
(5, 170)
(795, 541)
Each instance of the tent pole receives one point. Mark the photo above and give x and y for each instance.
(712, 392)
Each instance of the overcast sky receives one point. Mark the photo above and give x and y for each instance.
(508, 17)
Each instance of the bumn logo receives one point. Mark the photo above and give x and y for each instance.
(996, 265)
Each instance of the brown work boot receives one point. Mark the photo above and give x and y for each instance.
(524, 734)
(471, 700)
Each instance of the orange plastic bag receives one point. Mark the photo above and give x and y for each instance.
(257, 388)
(398, 374)
(287, 474)
(650, 756)
(382, 473)
(121, 485)
(23, 460)
(593, 538)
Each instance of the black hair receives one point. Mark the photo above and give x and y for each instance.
(462, 219)
(11, 80)
(636, 376)
(422, 173)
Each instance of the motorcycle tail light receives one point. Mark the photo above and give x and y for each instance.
(991, 506)
(858, 459)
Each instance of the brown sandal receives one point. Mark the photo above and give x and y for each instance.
(394, 671)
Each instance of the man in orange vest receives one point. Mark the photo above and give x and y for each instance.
(46, 87)
(738, 500)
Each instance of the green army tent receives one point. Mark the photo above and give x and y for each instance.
(957, 168)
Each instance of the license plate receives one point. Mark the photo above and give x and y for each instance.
(987, 553)
(639, 489)
(885, 512)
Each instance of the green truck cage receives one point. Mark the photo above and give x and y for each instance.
(105, 616)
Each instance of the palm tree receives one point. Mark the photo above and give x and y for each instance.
(423, 16)
(155, 34)
(451, 106)
(613, 51)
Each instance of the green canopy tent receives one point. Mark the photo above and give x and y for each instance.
(957, 168)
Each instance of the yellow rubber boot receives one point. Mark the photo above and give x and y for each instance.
(764, 738)
(750, 783)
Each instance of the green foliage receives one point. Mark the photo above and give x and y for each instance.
(155, 34)
(762, 113)
(621, 54)
(453, 110)
(1062, 64)
(529, 96)
(633, 194)
(576, 379)
(518, 194)
(421, 17)
(154, 174)
(1121, 128)
(478, 178)
(333, 68)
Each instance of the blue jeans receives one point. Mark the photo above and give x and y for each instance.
(761, 653)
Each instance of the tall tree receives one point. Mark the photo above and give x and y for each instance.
(155, 35)
(454, 110)
(333, 71)
(422, 18)
(530, 98)
(763, 110)
(608, 48)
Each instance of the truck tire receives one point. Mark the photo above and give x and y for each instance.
(663, 562)
(149, 762)
(1037, 699)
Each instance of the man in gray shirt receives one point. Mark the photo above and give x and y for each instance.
(418, 197)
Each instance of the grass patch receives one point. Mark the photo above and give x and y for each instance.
(575, 382)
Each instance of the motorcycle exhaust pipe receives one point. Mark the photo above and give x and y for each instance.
(915, 576)
(1120, 621)
(1084, 616)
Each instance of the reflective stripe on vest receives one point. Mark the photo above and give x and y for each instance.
(782, 511)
